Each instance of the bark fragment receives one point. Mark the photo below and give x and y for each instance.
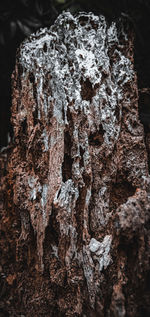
(78, 173)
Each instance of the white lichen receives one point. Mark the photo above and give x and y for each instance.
(44, 200)
(45, 140)
(63, 197)
(35, 187)
(54, 250)
(88, 267)
(79, 53)
(101, 251)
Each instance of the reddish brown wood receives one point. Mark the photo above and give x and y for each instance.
(75, 211)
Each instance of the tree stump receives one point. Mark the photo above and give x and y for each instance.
(77, 183)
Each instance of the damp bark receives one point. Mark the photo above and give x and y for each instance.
(75, 211)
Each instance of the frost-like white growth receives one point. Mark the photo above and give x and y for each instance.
(45, 140)
(101, 251)
(44, 195)
(44, 200)
(63, 197)
(35, 187)
(65, 200)
(94, 245)
(88, 196)
(31, 181)
(73, 53)
(88, 267)
(112, 34)
(33, 194)
(86, 60)
(55, 250)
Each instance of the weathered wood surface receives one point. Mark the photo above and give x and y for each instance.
(77, 182)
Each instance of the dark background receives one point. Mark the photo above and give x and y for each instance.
(19, 18)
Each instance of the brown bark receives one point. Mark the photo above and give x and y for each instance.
(75, 212)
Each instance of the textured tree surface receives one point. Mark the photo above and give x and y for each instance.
(76, 196)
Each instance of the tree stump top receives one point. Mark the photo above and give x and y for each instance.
(83, 65)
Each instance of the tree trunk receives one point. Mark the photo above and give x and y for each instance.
(74, 229)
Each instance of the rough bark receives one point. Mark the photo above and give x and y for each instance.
(76, 205)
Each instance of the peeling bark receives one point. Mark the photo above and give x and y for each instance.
(77, 180)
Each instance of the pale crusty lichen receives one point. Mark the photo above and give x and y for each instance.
(101, 251)
(75, 54)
